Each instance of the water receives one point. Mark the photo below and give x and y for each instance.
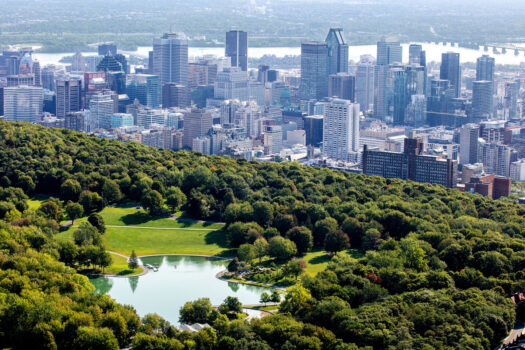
(434, 52)
(178, 280)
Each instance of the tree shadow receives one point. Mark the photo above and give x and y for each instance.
(137, 218)
(320, 259)
(217, 237)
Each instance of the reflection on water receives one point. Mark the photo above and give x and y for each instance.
(179, 279)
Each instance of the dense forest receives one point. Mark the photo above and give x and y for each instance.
(437, 271)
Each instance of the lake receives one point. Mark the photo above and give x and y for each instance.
(179, 279)
(434, 52)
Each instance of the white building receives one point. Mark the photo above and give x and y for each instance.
(364, 83)
(232, 84)
(102, 107)
(23, 103)
(340, 129)
(468, 142)
(149, 116)
(517, 170)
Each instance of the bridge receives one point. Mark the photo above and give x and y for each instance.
(487, 47)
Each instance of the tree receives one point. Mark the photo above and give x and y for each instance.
(294, 267)
(265, 298)
(371, 239)
(263, 213)
(322, 228)
(86, 234)
(233, 266)
(353, 228)
(175, 199)
(198, 311)
(26, 183)
(261, 248)
(91, 201)
(281, 248)
(98, 222)
(275, 297)
(302, 237)
(230, 304)
(133, 262)
(111, 191)
(152, 201)
(296, 299)
(283, 222)
(70, 190)
(90, 338)
(246, 252)
(74, 211)
(51, 210)
(336, 241)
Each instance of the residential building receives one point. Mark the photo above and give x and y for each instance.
(340, 129)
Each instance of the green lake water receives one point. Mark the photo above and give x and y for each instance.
(179, 279)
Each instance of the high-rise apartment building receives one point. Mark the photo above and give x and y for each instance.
(340, 129)
(102, 107)
(68, 96)
(23, 103)
(237, 48)
(451, 70)
(337, 51)
(170, 58)
(496, 158)
(485, 68)
(314, 70)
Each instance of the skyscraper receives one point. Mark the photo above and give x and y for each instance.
(170, 58)
(482, 104)
(68, 96)
(48, 78)
(313, 126)
(196, 124)
(146, 88)
(24, 103)
(105, 48)
(102, 107)
(174, 95)
(314, 70)
(364, 83)
(450, 70)
(468, 140)
(485, 68)
(389, 51)
(337, 51)
(232, 84)
(237, 48)
(512, 90)
(340, 129)
(416, 55)
(341, 85)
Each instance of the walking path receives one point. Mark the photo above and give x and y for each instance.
(165, 228)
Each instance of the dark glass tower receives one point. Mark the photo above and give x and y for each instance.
(337, 51)
(314, 70)
(451, 71)
(237, 48)
(485, 68)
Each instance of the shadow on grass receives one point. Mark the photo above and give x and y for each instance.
(217, 237)
(137, 218)
(320, 259)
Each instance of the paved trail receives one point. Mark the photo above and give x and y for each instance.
(166, 228)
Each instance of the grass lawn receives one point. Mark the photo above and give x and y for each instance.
(120, 267)
(318, 260)
(148, 235)
(35, 202)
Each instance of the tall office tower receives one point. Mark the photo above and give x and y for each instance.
(262, 73)
(415, 112)
(227, 111)
(170, 58)
(364, 83)
(482, 103)
(341, 85)
(197, 75)
(401, 97)
(313, 127)
(196, 124)
(451, 70)
(416, 55)
(23, 103)
(20, 80)
(512, 90)
(110, 64)
(36, 73)
(337, 51)
(104, 49)
(232, 84)
(439, 105)
(340, 129)
(174, 95)
(496, 158)
(92, 63)
(116, 81)
(237, 48)
(314, 70)
(389, 51)
(383, 94)
(150, 62)
(146, 88)
(1, 101)
(102, 107)
(257, 93)
(147, 117)
(485, 68)
(468, 142)
(48, 78)
(78, 64)
(68, 96)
